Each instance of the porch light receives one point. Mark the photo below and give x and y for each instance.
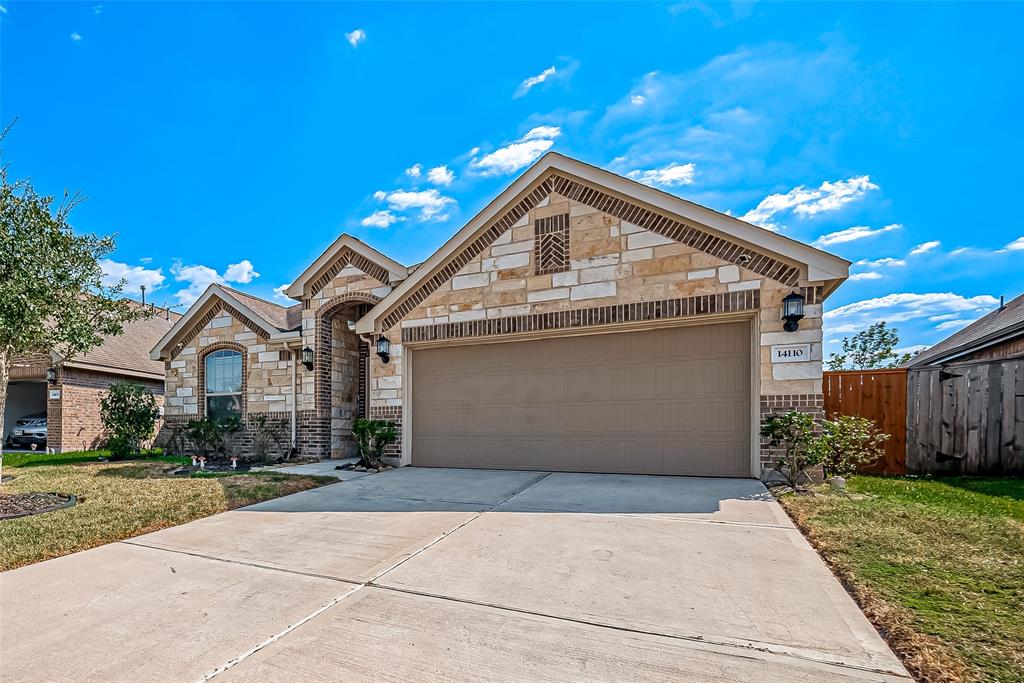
(51, 375)
(307, 358)
(384, 349)
(792, 311)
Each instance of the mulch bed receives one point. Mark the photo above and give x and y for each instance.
(24, 504)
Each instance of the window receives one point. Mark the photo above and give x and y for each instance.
(223, 384)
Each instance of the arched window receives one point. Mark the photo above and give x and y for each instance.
(223, 384)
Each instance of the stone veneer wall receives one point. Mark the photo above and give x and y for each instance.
(612, 264)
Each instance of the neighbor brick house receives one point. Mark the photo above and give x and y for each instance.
(581, 321)
(72, 401)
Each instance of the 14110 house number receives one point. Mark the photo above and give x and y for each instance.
(791, 353)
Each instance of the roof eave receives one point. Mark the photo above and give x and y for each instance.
(395, 269)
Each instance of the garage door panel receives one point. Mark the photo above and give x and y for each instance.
(669, 401)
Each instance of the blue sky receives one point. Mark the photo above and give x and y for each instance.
(233, 142)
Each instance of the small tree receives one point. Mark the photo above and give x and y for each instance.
(52, 291)
(848, 443)
(793, 433)
(266, 433)
(870, 349)
(373, 437)
(209, 434)
(129, 412)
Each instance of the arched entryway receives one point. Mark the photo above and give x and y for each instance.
(342, 370)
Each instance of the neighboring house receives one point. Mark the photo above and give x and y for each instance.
(965, 398)
(580, 322)
(71, 400)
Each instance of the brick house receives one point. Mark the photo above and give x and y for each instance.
(71, 401)
(580, 322)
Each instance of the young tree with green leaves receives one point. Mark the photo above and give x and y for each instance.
(870, 349)
(52, 295)
(129, 413)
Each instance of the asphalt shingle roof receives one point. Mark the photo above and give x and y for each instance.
(1000, 320)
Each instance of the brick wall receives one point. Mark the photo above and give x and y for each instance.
(74, 421)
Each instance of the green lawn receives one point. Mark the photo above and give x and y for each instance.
(938, 565)
(117, 500)
(27, 459)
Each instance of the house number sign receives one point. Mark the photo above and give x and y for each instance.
(791, 353)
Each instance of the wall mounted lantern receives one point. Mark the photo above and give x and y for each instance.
(792, 311)
(51, 375)
(307, 358)
(384, 349)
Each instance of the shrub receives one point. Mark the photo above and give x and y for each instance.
(128, 412)
(209, 434)
(849, 442)
(372, 438)
(793, 432)
(266, 434)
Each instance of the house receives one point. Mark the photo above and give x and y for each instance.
(965, 398)
(580, 322)
(68, 390)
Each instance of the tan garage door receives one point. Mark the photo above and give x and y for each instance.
(667, 401)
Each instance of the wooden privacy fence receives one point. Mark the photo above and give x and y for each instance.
(967, 418)
(879, 395)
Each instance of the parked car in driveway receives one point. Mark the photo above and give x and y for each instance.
(28, 432)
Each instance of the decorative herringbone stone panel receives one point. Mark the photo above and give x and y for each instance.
(344, 258)
(551, 244)
(588, 317)
(733, 252)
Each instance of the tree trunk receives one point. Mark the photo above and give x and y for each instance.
(5, 375)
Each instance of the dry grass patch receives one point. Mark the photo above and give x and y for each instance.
(937, 565)
(121, 500)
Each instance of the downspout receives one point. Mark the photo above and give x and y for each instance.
(295, 402)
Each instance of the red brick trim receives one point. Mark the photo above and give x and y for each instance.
(814, 404)
(186, 336)
(724, 249)
(392, 414)
(324, 336)
(666, 309)
(344, 258)
(201, 373)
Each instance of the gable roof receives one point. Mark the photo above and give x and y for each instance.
(999, 325)
(128, 352)
(648, 201)
(395, 270)
(273, 320)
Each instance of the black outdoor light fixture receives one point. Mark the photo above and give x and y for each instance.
(307, 358)
(792, 311)
(51, 375)
(384, 349)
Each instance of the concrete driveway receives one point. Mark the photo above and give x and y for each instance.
(429, 574)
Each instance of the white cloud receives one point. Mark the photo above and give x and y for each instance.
(440, 175)
(1016, 245)
(380, 219)
(924, 248)
(97, 9)
(528, 84)
(858, 232)
(870, 275)
(431, 204)
(669, 176)
(3, 9)
(199, 277)
(883, 263)
(242, 272)
(355, 37)
(637, 100)
(518, 154)
(75, 36)
(904, 306)
(952, 325)
(134, 276)
(414, 171)
(281, 296)
(807, 202)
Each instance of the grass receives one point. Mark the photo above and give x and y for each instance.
(32, 459)
(118, 500)
(937, 565)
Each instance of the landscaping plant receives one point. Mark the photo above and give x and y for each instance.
(793, 434)
(209, 435)
(129, 412)
(848, 443)
(267, 433)
(373, 437)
